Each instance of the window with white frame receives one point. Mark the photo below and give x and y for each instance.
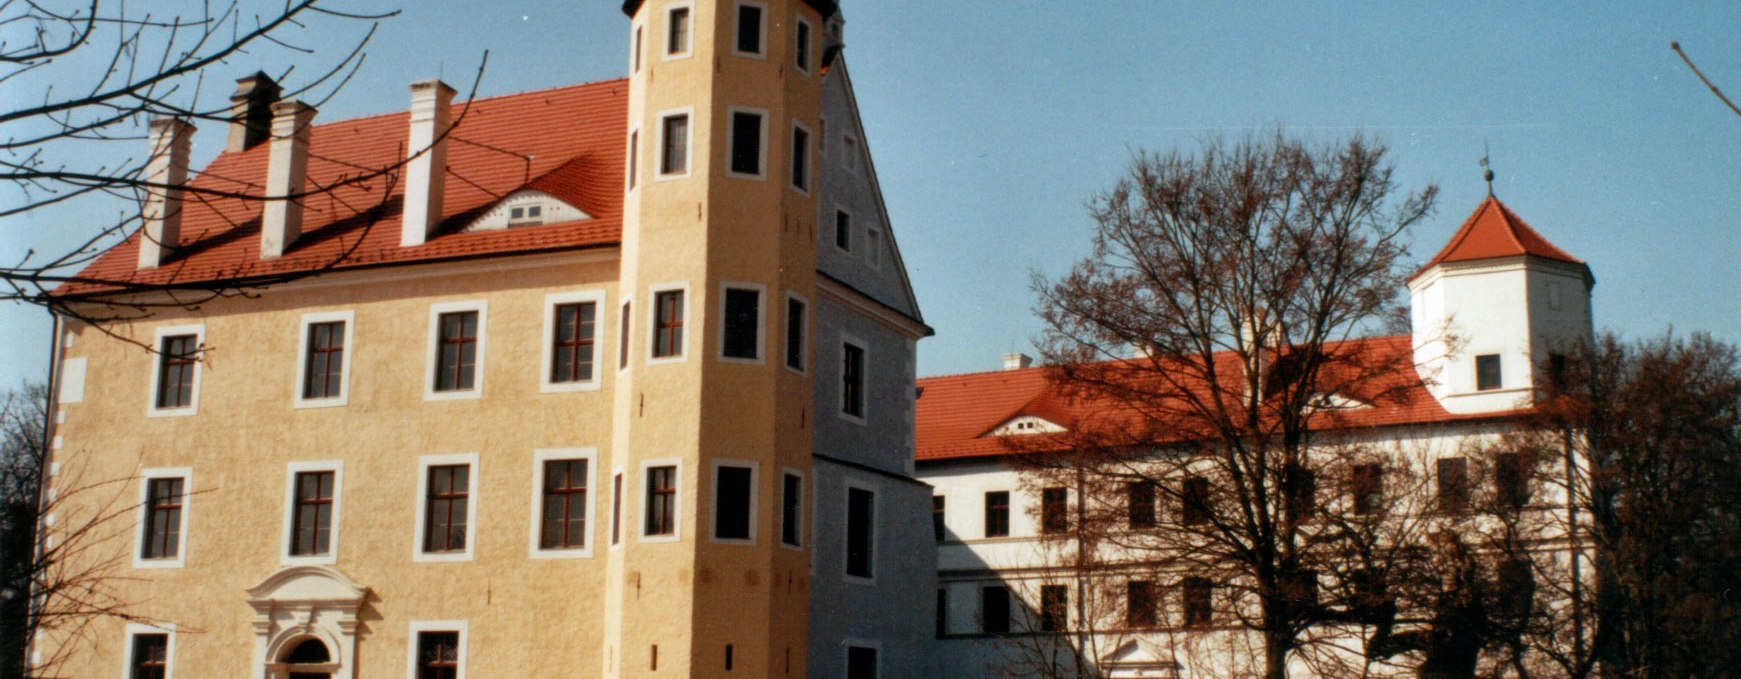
(162, 533)
(150, 651)
(437, 650)
(175, 374)
(797, 349)
(668, 315)
(802, 46)
(791, 507)
(562, 506)
(324, 371)
(861, 527)
(800, 157)
(852, 378)
(616, 506)
(748, 154)
(752, 30)
(456, 350)
(678, 30)
(741, 322)
(571, 329)
(735, 498)
(674, 144)
(661, 510)
(447, 507)
(861, 661)
(311, 522)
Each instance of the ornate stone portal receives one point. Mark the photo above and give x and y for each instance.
(301, 604)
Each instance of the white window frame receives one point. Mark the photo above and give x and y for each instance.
(539, 457)
(641, 500)
(199, 340)
(755, 501)
(618, 511)
(803, 493)
(652, 312)
(873, 245)
(737, 27)
(659, 173)
(834, 231)
(135, 629)
(809, 158)
(349, 318)
(637, 46)
(432, 355)
(761, 322)
(849, 643)
(600, 321)
(665, 35)
(337, 467)
(840, 387)
(808, 66)
(847, 484)
(143, 513)
(731, 142)
(471, 507)
(419, 626)
(803, 351)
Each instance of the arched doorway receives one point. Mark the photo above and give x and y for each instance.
(308, 659)
(305, 624)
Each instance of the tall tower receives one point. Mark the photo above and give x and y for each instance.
(1493, 308)
(718, 229)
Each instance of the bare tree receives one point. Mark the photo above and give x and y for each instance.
(23, 414)
(1217, 320)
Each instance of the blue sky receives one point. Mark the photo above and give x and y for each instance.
(993, 123)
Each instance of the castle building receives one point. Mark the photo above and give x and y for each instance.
(1491, 312)
(607, 380)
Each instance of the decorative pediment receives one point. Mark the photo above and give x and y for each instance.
(526, 207)
(1026, 424)
(308, 584)
(1139, 659)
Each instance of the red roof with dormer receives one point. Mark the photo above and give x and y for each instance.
(1494, 231)
(957, 415)
(568, 142)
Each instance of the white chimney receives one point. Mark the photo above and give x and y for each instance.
(286, 175)
(1017, 361)
(165, 172)
(426, 169)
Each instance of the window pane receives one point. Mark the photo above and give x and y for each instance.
(1197, 594)
(564, 511)
(1453, 484)
(150, 656)
(676, 158)
(445, 508)
(325, 361)
(1054, 510)
(677, 35)
(852, 381)
(742, 329)
(616, 509)
(456, 358)
(801, 159)
(1142, 504)
(843, 230)
(746, 143)
(795, 334)
(860, 532)
(731, 509)
(176, 359)
(791, 515)
(997, 514)
(749, 29)
(801, 55)
(661, 501)
(571, 344)
(1487, 374)
(994, 610)
(861, 663)
(437, 655)
(311, 531)
(162, 529)
(1140, 604)
(1054, 607)
(668, 335)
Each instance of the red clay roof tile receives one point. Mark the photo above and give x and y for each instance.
(1494, 231)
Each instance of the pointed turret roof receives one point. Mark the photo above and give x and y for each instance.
(1492, 232)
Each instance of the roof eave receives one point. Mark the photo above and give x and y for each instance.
(826, 7)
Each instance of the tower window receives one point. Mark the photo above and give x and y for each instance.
(801, 52)
(623, 338)
(571, 342)
(661, 501)
(677, 32)
(637, 55)
(860, 532)
(634, 157)
(674, 155)
(1487, 372)
(800, 157)
(843, 230)
(747, 151)
(791, 510)
(750, 29)
(742, 326)
(668, 324)
(563, 523)
(795, 334)
(616, 508)
(733, 502)
(852, 380)
(861, 662)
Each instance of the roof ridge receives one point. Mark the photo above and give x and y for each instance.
(1373, 338)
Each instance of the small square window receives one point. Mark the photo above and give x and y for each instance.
(1487, 374)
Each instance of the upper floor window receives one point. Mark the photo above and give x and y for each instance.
(734, 502)
(668, 324)
(572, 328)
(163, 520)
(1054, 510)
(994, 609)
(439, 655)
(617, 508)
(750, 29)
(748, 151)
(843, 230)
(997, 514)
(623, 338)
(635, 59)
(456, 357)
(801, 50)
(861, 662)
(674, 145)
(175, 382)
(528, 214)
(563, 500)
(939, 506)
(1510, 480)
(311, 518)
(634, 162)
(677, 31)
(148, 656)
(1194, 501)
(795, 344)
(324, 370)
(447, 508)
(1487, 374)
(861, 508)
(1140, 498)
(791, 509)
(1198, 595)
(1453, 475)
(1366, 487)
(1054, 607)
(741, 323)
(800, 157)
(661, 510)
(852, 380)
(873, 247)
(1300, 492)
(1140, 604)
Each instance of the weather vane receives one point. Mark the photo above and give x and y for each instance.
(1487, 171)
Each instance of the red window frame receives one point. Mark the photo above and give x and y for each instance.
(311, 520)
(668, 326)
(563, 522)
(572, 342)
(437, 655)
(446, 504)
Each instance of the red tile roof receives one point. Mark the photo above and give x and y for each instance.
(567, 141)
(957, 413)
(1494, 231)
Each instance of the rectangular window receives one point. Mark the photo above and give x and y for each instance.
(661, 511)
(1300, 588)
(843, 230)
(623, 339)
(942, 611)
(747, 152)
(457, 352)
(1054, 608)
(849, 152)
(677, 32)
(861, 510)
(741, 327)
(1141, 500)
(674, 158)
(750, 30)
(1487, 375)
(1194, 501)
(617, 509)
(791, 510)
(1300, 492)
(323, 368)
(572, 341)
(852, 380)
(800, 157)
(176, 362)
(873, 248)
(795, 347)
(938, 528)
(312, 517)
(438, 655)
(636, 58)
(733, 502)
(801, 52)
(1198, 601)
(997, 514)
(1140, 604)
(994, 610)
(1366, 486)
(150, 657)
(1510, 480)
(861, 662)
(446, 508)
(1054, 510)
(634, 157)
(668, 324)
(1453, 485)
(163, 519)
(563, 516)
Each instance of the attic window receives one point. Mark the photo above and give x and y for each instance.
(520, 215)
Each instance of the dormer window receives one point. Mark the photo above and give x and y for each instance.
(520, 215)
(526, 207)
